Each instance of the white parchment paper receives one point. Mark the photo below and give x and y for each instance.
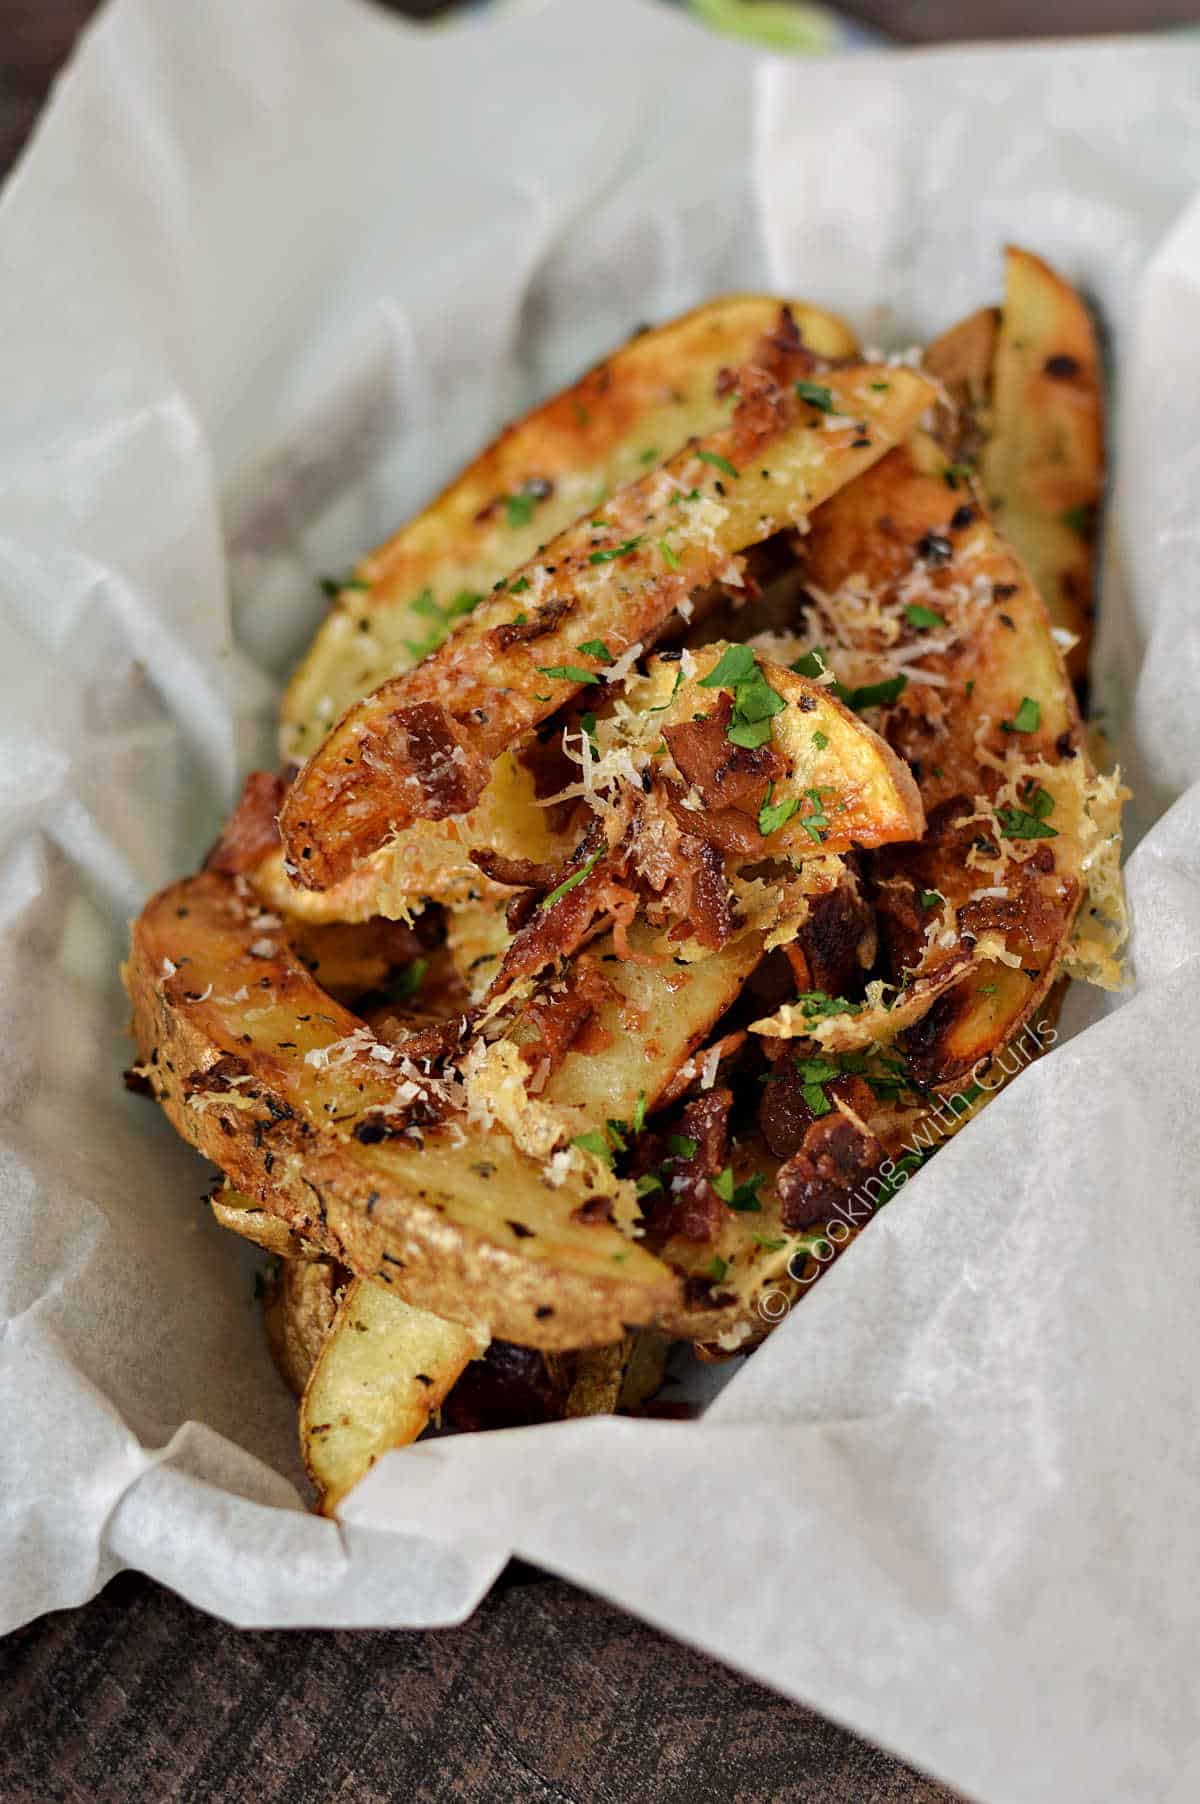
(267, 275)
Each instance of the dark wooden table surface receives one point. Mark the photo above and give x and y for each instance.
(547, 1695)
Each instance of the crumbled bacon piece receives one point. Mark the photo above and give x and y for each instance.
(834, 1159)
(691, 1207)
(785, 1117)
(764, 406)
(708, 912)
(522, 633)
(424, 738)
(838, 939)
(558, 1015)
(515, 873)
(508, 1388)
(555, 931)
(425, 1046)
(251, 832)
(724, 775)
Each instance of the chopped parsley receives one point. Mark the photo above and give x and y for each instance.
(442, 617)
(596, 648)
(639, 1112)
(518, 508)
(767, 1243)
(1027, 719)
(818, 1004)
(519, 587)
(670, 558)
(773, 815)
(568, 673)
(872, 695)
(816, 823)
(953, 474)
(716, 1267)
(880, 387)
(663, 706)
(573, 881)
(745, 1196)
(616, 1131)
(406, 980)
(1079, 519)
(742, 1197)
(916, 615)
(812, 664)
(931, 898)
(648, 1183)
(814, 1075)
(650, 455)
(595, 1143)
(614, 552)
(820, 740)
(754, 701)
(1029, 822)
(605, 1142)
(682, 1146)
(902, 1170)
(817, 396)
(718, 462)
(737, 664)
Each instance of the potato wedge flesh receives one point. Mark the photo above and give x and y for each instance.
(382, 1373)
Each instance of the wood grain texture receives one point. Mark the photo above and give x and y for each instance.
(547, 1696)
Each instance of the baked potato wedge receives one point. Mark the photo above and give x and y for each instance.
(383, 1371)
(423, 746)
(920, 592)
(568, 454)
(1042, 465)
(306, 1111)
(1026, 387)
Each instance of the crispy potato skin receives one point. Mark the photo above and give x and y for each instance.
(243, 1216)
(961, 360)
(298, 1311)
(422, 746)
(640, 404)
(392, 1213)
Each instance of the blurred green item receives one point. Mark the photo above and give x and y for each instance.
(775, 24)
